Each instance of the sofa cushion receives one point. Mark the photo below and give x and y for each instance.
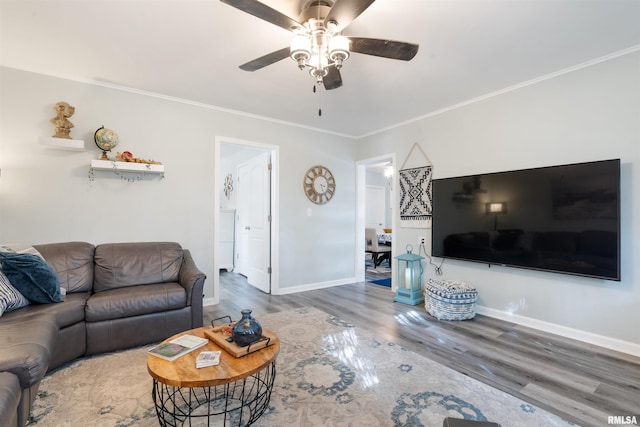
(135, 301)
(27, 345)
(129, 264)
(32, 276)
(73, 263)
(10, 298)
(64, 314)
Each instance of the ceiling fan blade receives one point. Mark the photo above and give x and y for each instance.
(268, 59)
(264, 12)
(344, 12)
(332, 80)
(384, 48)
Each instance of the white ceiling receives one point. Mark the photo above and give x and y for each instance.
(191, 50)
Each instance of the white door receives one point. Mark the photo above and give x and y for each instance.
(374, 207)
(254, 226)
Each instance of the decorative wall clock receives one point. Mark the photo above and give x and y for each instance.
(319, 184)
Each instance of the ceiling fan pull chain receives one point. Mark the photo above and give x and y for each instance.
(319, 98)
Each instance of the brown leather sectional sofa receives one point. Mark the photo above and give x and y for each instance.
(118, 296)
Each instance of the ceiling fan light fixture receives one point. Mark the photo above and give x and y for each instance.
(318, 51)
(339, 50)
(318, 60)
(300, 50)
(318, 73)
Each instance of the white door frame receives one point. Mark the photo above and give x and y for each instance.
(361, 189)
(275, 216)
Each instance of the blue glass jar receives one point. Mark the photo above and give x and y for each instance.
(247, 330)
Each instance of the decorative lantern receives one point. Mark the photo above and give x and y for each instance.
(409, 278)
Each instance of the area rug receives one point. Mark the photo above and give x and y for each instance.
(329, 373)
(382, 282)
(385, 267)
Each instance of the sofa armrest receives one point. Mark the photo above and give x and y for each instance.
(10, 394)
(192, 280)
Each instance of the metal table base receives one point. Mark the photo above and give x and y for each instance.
(238, 403)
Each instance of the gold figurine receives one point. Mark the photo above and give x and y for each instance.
(61, 121)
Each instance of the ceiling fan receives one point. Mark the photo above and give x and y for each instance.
(318, 43)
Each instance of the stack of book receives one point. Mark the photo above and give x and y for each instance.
(208, 358)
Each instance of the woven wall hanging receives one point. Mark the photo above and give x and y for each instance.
(416, 199)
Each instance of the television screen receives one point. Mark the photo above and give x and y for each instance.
(563, 219)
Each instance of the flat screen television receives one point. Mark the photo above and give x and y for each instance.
(563, 219)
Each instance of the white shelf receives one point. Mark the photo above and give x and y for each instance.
(62, 143)
(112, 165)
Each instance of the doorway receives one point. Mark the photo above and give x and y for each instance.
(375, 197)
(245, 182)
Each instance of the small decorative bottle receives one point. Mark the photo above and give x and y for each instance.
(246, 330)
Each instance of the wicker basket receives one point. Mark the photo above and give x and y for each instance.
(450, 299)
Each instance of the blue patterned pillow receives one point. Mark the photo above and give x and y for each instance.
(10, 298)
(31, 276)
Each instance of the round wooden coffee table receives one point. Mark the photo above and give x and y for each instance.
(236, 392)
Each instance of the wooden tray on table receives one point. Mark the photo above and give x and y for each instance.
(221, 335)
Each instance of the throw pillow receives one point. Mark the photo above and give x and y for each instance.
(31, 276)
(10, 298)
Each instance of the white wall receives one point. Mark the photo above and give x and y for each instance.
(46, 195)
(589, 114)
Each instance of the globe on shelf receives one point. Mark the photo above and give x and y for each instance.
(105, 139)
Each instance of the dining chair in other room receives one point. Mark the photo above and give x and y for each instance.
(378, 251)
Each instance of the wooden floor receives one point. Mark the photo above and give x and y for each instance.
(579, 382)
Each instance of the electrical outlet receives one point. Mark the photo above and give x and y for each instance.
(423, 240)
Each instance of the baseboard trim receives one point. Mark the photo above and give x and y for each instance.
(207, 302)
(316, 286)
(587, 337)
